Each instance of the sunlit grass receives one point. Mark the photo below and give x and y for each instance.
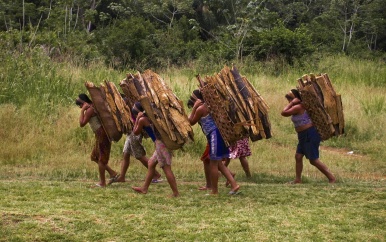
(47, 173)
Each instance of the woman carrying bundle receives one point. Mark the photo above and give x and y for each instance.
(101, 152)
(218, 150)
(161, 153)
(308, 136)
(133, 147)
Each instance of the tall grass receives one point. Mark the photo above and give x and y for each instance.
(46, 171)
(39, 119)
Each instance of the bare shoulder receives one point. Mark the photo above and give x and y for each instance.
(203, 109)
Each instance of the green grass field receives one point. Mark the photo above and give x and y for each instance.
(46, 177)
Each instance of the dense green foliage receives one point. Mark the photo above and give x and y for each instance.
(163, 33)
(49, 48)
(46, 173)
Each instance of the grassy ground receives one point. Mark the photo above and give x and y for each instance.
(41, 210)
(46, 175)
(56, 202)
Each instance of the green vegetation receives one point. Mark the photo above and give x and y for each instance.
(46, 173)
(48, 49)
(145, 34)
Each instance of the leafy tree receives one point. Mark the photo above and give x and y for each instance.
(179, 45)
(235, 21)
(280, 42)
(128, 43)
(373, 22)
(166, 12)
(145, 33)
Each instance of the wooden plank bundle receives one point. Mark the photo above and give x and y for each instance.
(111, 109)
(323, 104)
(237, 108)
(162, 107)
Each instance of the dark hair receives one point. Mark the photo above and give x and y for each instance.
(196, 94)
(82, 98)
(137, 108)
(296, 94)
(190, 103)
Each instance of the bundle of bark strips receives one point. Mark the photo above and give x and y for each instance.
(323, 104)
(111, 109)
(237, 108)
(161, 105)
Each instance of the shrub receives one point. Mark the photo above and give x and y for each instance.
(281, 42)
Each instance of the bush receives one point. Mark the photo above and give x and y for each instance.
(128, 43)
(280, 42)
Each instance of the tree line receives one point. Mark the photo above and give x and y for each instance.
(157, 33)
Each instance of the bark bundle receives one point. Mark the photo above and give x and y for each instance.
(162, 107)
(237, 108)
(112, 110)
(323, 104)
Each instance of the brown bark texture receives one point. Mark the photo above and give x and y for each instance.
(162, 106)
(114, 114)
(238, 110)
(323, 104)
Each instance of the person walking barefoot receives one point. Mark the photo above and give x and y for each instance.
(308, 137)
(240, 150)
(101, 151)
(218, 150)
(133, 147)
(161, 153)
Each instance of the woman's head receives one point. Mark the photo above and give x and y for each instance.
(294, 93)
(196, 94)
(82, 98)
(137, 108)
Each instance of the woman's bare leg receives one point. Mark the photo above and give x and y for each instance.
(245, 165)
(124, 167)
(323, 168)
(149, 177)
(298, 168)
(144, 160)
(228, 175)
(213, 166)
(171, 179)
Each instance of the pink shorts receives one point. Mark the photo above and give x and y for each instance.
(161, 154)
(240, 149)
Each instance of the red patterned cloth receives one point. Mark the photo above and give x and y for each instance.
(102, 147)
(240, 149)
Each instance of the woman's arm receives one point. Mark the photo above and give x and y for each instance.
(85, 114)
(197, 112)
(294, 107)
(141, 122)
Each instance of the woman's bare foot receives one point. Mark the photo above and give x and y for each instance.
(139, 190)
(174, 195)
(332, 180)
(295, 182)
(98, 185)
(204, 188)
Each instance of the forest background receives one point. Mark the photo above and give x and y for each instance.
(48, 49)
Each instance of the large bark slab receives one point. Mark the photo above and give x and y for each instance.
(323, 104)
(162, 106)
(237, 108)
(111, 109)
